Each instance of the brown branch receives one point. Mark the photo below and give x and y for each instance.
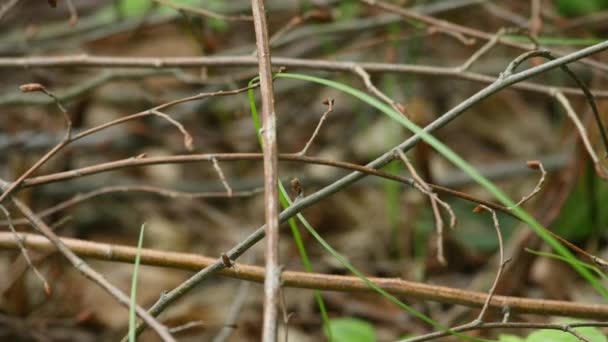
(195, 262)
(243, 61)
(272, 283)
(193, 158)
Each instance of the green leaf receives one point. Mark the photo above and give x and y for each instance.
(352, 330)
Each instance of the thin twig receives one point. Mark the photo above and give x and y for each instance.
(31, 87)
(536, 20)
(588, 95)
(272, 283)
(358, 70)
(47, 287)
(234, 312)
(485, 48)
(427, 190)
(191, 158)
(73, 12)
(295, 63)
(456, 35)
(188, 140)
(582, 133)
(330, 108)
(501, 263)
(7, 7)
(187, 326)
(568, 327)
(536, 165)
(79, 198)
(218, 170)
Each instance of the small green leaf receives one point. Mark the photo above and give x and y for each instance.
(352, 330)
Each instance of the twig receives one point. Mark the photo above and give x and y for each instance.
(7, 7)
(588, 95)
(31, 87)
(47, 287)
(536, 165)
(272, 283)
(204, 12)
(187, 326)
(536, 21)
(568, 327)
(89, 272)
(73, 12)
(427, 190)
(582, 133)
(485, 48)
(315, 64)
(223, 179)
(86, 86)
(188, 141)
(396, 286)
(296, 21)
(79, 198)
(358, 70)
(501, 263)
(286, 316)
(456, 35)
(330, 108)
(156, 111)
(191, 158)
(234, 312)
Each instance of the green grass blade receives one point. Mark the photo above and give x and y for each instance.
(559, 257)
(133, 303)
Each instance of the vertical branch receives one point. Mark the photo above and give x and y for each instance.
(271, 198)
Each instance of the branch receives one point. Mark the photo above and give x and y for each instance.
(272, 283)
(422, 291)
(298, 63)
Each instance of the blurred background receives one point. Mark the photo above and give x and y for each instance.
(384, 228)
